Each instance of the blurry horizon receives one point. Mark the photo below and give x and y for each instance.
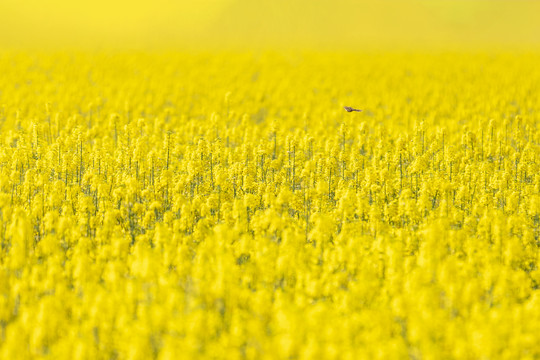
(270, 24)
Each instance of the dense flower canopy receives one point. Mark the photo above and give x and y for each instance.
(175, 205)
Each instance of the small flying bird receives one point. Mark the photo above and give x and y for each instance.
(350, 109)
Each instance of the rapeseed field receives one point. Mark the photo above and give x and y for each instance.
(171, 196)
(194, 212)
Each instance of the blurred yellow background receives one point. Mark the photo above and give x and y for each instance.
(270, 23)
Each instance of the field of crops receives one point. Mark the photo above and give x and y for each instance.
(225, 205)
